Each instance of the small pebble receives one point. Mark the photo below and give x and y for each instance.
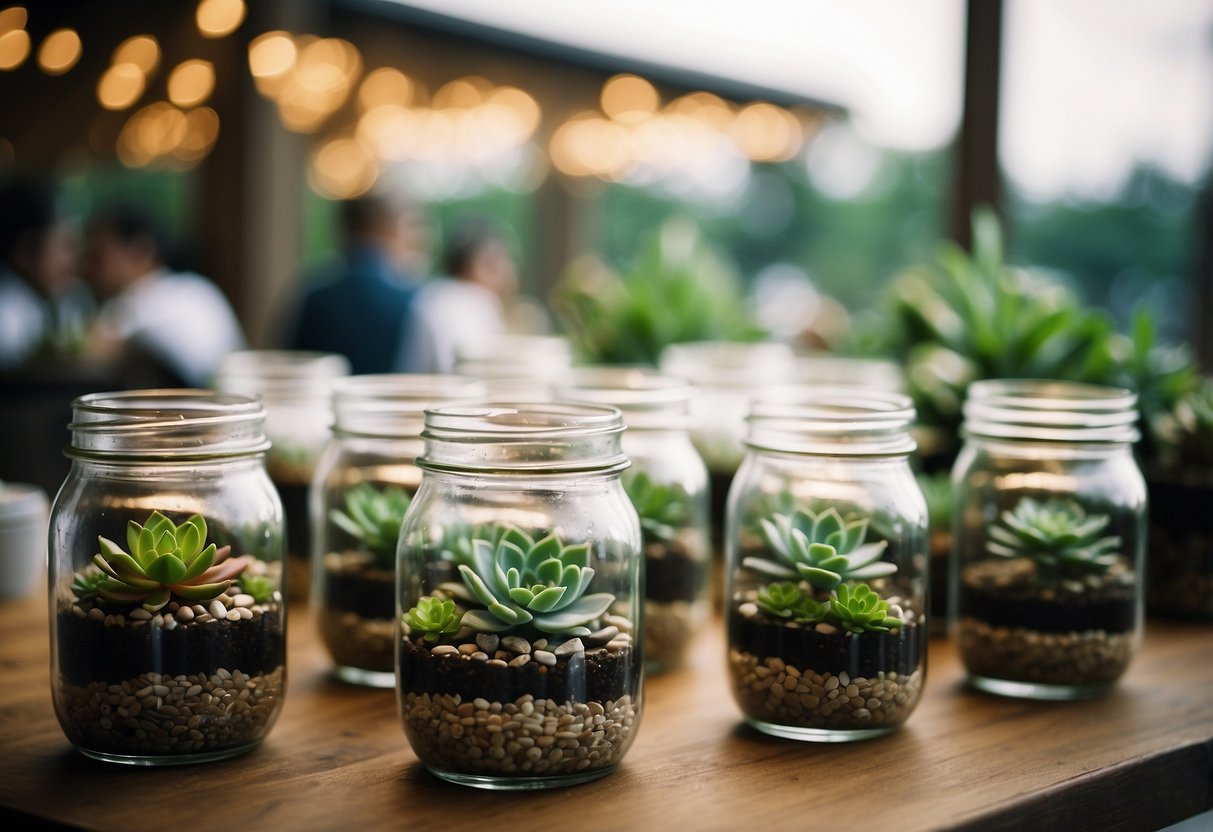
(185, 614)
(519, 661)
(516, 644)
(488, 642)
(216, 609)
(444, 649)
(570, 647)
(233, 615)
(140, 614)
(96, 614)
(544, 657)
(480, 656)
(602, 636)
(244, 600)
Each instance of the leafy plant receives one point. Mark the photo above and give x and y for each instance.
(434, 617)
(258, 586)
(676, 291)
(663, 508)
(937, 491)
(787, 600)
(166, 561)
(1058, 535)
(373, 517)
(860, 610)
(1184, 432)
(822, 548)
(523, 581)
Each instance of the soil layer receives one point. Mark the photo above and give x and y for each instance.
(860, 655)
(672, 576)
(986, 596)
(360, 586)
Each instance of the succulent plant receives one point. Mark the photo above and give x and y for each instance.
(822, 548)
(1184, 433)
(860, 610)
(434, 617)
(663, 509)
(1057, 534)
(787, 600)
(373, 517)
(166, 561)
(521, 581)
(260, 587)
(937, 491)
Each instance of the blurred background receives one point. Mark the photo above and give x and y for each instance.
(653, 173)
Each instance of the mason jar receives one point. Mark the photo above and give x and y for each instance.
(296, 389)
(167, 617)
(363, 484)
(826, 603)
(668, 487)
(516, 367)
(519, 584)
(1049, 536)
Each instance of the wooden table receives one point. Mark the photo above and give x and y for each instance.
(338, 760)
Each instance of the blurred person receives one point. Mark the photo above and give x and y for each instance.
(44, 307)
(361, 310)
(179, 322)
(468, 302)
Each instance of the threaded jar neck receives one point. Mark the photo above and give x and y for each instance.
(392, 406)
(533, 438)
(649, 400)
(1037, 410)
(832, 421)
(730, 365)
(281, 377)
(166, 426)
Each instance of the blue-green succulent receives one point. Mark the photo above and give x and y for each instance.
(823, 548)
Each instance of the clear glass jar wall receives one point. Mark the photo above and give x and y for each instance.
(519, 592)
(296, 389)
(668, 486)
(516, 367)
(363, 485)
(1049, 536)
(167, 617)
(827, 568)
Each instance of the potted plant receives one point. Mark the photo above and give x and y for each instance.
(357, 609)
(170, 649)
(826, 641)
(512, 667)
(676, 567)
(1054, 603)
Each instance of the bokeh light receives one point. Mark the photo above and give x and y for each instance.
(14, 48)
(191, 83)
(386, 85)
(59, 52)
(342, 169)
(141, 50)
(217, 18)
(120, 86)
(629, 98)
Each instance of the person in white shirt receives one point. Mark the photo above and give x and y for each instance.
(180, 321)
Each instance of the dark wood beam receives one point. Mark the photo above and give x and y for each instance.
(978, 179)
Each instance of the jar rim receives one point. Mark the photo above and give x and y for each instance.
(1050, 411)
(832, 420)
(393, 405)
(280, 374)
(648, 398)
(736, 364)
(166, 423)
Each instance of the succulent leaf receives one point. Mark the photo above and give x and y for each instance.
(787, 600)
(823, 548)
(860, 610)
(663, 508)
(373, 516)
(434, 617)
(1057, 535)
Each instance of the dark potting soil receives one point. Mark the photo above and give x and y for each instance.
(89, 651)
(1110, 609)
(803, 647)
(673, 576)
(364, 588)
(594, 676)
(1183, 510)
(298, 525)
(718, 493)
(940, 557)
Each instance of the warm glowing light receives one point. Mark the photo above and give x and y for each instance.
(202, 129)
(385, 85)
(271, 55)
(141, 50)
(522, 106)
(120, 86)
(59, 52)
(191, 83)
(14, 17)
(217, 18)
(152, 133)
(462, 94)
(629, 98)
(590, 146)
(14, 48)
(767, 133)
(706, 107)
(324, 73)
(342, 169)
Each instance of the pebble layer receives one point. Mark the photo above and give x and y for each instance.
(354, 641)
(1022, 655)
(773, 691)
(669, 630)
(526, 737)
(154, 714)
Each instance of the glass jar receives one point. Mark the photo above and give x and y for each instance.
(516, 367)
(363, 485)
(827, 568)
(167, 618)
(519, 588)
(296, 389)
(668, 486)
(1049, 534)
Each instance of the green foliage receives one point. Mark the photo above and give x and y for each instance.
(523, 581)
(373, 517)
(674, 292)
(84, 584)
(937, 491)
(1185, 431)
(260, 587)
(166, 561)
(663, 508)
(822, 548)
(787, 600)
(860, 610)
(434, 618)
(1058, 535)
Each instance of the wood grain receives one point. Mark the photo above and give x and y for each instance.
(1138, 759)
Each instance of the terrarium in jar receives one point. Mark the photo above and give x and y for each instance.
(521, 649)
(167, 617)
(1049, 530)
(668, 486)
(296, 389)
(516, 367)
(827, 568)
(364, 483)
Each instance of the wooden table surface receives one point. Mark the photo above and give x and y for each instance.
(337, 759)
